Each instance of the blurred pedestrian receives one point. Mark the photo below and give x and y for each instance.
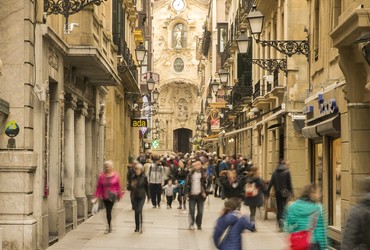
(230, 226)
(306, 215)
(156, 181)
(357, 228)
(169, 192)
(109, 190)
(196, 185)
(254, 189)
(231, 184)
(282, 183)
(139, 191)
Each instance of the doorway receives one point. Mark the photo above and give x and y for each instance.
(181, 141)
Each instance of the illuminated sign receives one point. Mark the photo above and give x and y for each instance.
(327, 106)
(139, 123)
(155, 143)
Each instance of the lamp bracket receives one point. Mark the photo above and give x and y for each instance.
(67, 7)
(288, 47)
(271, 64)
(135, 96)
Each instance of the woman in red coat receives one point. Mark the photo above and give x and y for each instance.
(108, 189)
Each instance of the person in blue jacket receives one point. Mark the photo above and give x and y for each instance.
(229, 227)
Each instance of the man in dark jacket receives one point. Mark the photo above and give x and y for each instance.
(357, 230)
(282, 183)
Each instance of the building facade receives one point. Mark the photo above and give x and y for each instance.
(62, 107)
(177, 27)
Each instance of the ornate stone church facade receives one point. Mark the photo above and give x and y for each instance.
(177, 28)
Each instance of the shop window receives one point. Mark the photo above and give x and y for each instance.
(335, 183)
(317, 165)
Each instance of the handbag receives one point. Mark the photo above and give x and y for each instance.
(301, 240)
(284, 193)
(112, 197)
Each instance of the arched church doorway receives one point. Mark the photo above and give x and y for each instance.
(181, 141)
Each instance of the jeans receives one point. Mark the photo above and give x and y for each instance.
(252, 216)
(199, 201)
(138, 204)
(169, 200)
(108, 208)
(155, 193)
(280, 203)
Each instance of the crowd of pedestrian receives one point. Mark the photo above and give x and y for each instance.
(191, 178)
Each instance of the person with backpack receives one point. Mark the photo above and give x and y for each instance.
(230, 225)
(357, 228)
(156, 181)
(254, 189)
(282, 183)
(231, 184)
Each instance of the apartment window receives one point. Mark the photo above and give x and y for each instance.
(316, 30)
(118, 25)
(337, 9)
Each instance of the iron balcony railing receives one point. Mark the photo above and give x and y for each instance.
(124, 50)
(242, 89)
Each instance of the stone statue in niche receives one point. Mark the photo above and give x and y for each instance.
(178, 38)
(183, 112)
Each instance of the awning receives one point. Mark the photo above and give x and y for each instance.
(237, 131)
(310, 132)
(330, 126)
(269, 118)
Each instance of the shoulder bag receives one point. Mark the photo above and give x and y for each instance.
(301, 240)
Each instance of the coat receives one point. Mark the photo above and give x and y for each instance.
(108, 184)
(139, 186)
(236, 225)
(280, 179)
(231, 189)
(256, 201)
(301, 215)
(357, 230)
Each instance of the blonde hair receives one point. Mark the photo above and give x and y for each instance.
(108, 163)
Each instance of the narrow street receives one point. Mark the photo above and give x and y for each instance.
(164, 229)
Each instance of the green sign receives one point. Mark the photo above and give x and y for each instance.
(155, 143)
(139, 123)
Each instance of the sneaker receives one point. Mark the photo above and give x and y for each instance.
(154, 206)
(191, 227)
(199, 227)
(140, 231)
(179, 207)
(136, 230)
(168, 207)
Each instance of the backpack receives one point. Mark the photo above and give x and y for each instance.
(251, 190)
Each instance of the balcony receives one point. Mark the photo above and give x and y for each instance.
(242, 91)
(88, 48)
(206, 42)
(126, 67)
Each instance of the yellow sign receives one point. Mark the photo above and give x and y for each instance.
(139, 123)
(218, 105)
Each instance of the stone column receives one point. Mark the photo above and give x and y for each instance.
(69, 169)
(80, 154)
(89, 178)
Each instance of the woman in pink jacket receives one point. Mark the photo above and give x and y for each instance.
(109, 190)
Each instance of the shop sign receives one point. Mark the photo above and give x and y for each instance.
(218, 105)
(139, 123)
(327, 106)
(215, 119)
(307, 110)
